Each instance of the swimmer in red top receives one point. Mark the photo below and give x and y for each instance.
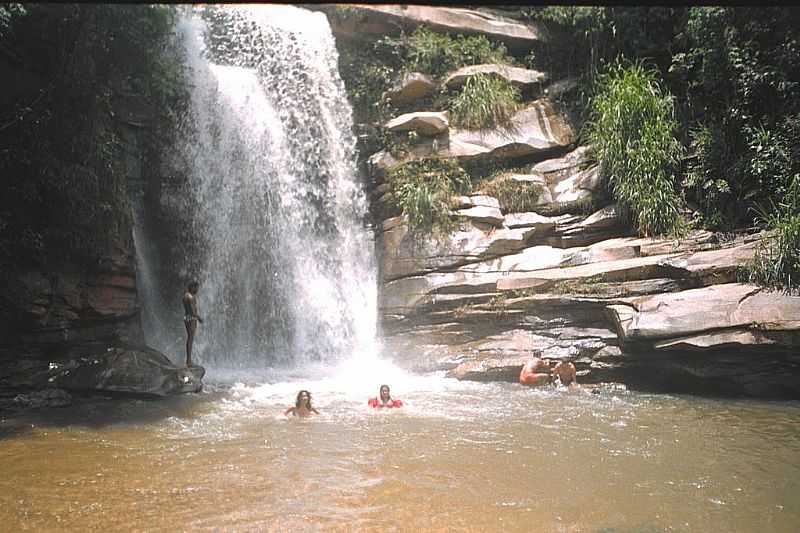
(385, 399)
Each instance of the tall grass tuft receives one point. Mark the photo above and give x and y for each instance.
(424, 190)
(776, 263)
(484, 102)
(514, 196)
(631, 130)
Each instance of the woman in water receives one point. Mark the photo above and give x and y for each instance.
(302, 405)
(385, 399)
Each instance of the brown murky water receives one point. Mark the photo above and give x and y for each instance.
(458, 457)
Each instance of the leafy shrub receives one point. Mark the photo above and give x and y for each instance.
(739, 70)
(776, 262)
(7, 14)
(63, 195)
(484, 102)
(630, 130)
(514, 196)
(423, 191)
(439, 53)
(368, 72)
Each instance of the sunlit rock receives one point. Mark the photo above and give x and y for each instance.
(522, 78)
(423, 122)
(708, 264)
(366, 21)
(411, 87)
(718, 314)
(535, 129)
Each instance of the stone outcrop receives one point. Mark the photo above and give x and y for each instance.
(429, 123)
(535, 130)
(411, 87)
(731, 314)
(361, 22)
(522, 78)
(566, 279)
(75, 305)
(135, 371)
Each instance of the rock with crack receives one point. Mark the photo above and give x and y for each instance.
(730, 313)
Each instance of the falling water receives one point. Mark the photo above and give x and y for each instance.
(280, 248)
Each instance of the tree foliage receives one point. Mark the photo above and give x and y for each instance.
(631, 131)
(64, 189)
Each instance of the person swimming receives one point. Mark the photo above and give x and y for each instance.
(384, 399)
(302, 406)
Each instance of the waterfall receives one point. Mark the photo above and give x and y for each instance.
(274, 209)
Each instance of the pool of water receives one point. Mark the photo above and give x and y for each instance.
(459, 457)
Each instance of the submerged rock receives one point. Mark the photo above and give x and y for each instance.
(43, 398)
(142, 371)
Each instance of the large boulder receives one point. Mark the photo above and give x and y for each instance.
(428, 123)
(410, 88)
(364, 22)
(538, 128)
(522, 78)
(730, 313)
(139, 371)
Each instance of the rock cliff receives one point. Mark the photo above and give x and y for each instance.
(564, 278)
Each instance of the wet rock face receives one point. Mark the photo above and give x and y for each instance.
(138, 371)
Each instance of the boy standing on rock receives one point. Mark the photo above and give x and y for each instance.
(190, 317)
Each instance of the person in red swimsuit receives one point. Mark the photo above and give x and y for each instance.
(535, 373)
(385, 399)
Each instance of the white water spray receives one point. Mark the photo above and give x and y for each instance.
(285, 262)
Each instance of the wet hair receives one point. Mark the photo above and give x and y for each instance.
(297, 400)
(193, 284)
(380, 390)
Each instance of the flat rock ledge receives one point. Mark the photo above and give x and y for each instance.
(359, 22)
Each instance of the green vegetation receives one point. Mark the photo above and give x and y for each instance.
(63, 195)
(630, 130)
(514, 196)
(484, 102)
(423, 191)
(368, 71)
(438, 53)
(777, 260)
